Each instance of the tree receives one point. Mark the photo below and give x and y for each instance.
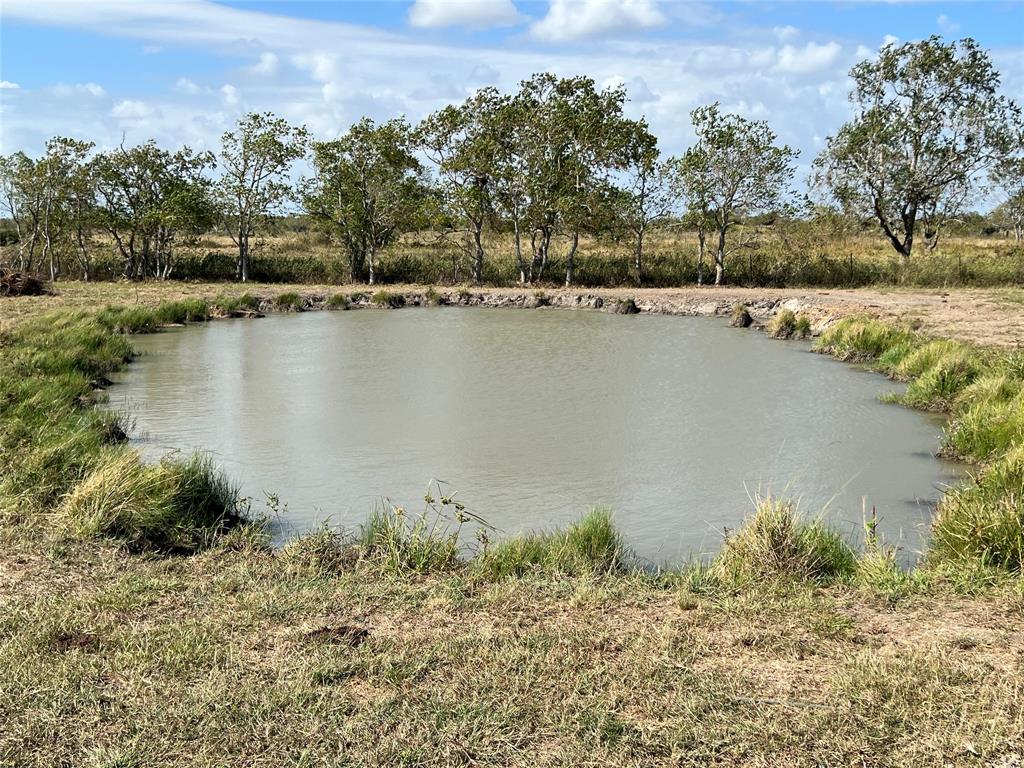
(49, 202)
(556, 142)
(929, 123)
(1008, 177)
(648, 187)
(255, 160)
(23, 200)
(733, 171)
(462, 143)
(368, 189)
(147, 198)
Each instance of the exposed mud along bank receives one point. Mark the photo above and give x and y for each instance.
(719, 304)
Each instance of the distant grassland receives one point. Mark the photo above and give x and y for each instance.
(798, 258)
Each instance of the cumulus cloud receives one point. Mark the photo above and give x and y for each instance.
(463, 13)
(810, 58)
(579, 19)
(266, 64)
(184, 85)
(7, 85)
(786, 33)
(90, 89)
(131, 109)
(229, 93)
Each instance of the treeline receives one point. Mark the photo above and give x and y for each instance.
(554, 162)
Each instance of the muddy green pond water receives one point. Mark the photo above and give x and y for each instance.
(533, 417)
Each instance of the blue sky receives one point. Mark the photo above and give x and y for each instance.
(182, 71)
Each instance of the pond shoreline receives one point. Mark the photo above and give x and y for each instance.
(761, 310)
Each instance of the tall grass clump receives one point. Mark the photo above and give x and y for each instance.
(397, 544)
(388, 299)
(233, 305)
(588, 546)
(786, 324)
(775, 544)
(289, 301)
(982, 523)
(739, 316)
(859, 339)
(171, 506)
(339, 301)
(59, 452)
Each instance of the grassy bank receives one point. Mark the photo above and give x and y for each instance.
(145, 621)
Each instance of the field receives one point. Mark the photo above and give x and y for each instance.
(131, 642)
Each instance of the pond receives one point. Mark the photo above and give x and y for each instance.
(673, 423)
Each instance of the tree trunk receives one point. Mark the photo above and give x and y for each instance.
(570, 259)
(702, 248)
(371, 258)
(638, 256)
(720, 258)
(478, 254)
(518, 242)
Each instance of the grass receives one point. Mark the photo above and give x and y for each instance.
(390, 646)
(592, 545)
(785, 324)
(290, 301)
(388, 299)
(980, 523)
(339, 301)
(776, 544)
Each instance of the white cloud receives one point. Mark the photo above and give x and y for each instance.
(890, 40)
(579, 19)
(230, 95)
(266, 65)
(810, 58)
(130, 109)
(91, 89)
(947, 25)
(786, 33)
(7, 85)
(463, 13)
(184, 85)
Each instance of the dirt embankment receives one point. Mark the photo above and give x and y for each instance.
(981, 316)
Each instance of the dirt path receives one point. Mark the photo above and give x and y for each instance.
(983, 316)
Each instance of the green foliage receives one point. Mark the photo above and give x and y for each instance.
(229, 305)
(388, 299)
(858, 339)
(290, 301)
(899, 160)
(58, 449)
(396, 544)
(369, 188)
(339, 301)
(775, 544)
(782, 325)
(982, 523)
(432, 297)
(591, 545)
(172, 506)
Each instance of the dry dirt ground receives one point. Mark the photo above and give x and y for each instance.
(982, 316)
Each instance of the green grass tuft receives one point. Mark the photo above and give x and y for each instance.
(339, 301)
(591, 545)
(290, 301)
(387, 299)
(776, 544)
